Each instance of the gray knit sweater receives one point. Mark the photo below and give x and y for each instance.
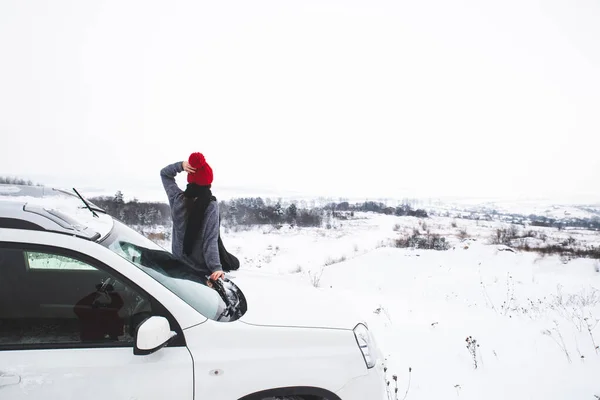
(205, 254)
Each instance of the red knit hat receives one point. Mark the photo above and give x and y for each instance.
(204, 174)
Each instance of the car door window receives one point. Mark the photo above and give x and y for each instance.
(51, 300)
(36, 260)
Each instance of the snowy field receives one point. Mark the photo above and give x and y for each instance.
(532, 321)
(477, 321)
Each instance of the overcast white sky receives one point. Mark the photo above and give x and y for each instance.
(350, 98)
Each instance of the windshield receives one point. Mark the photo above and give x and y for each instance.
(161, 265)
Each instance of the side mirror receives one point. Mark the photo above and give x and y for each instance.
(152, 334)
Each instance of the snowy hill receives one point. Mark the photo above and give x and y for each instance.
(527, 317)
(543, 209)
(533, 319)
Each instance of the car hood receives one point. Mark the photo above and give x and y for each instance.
(276, 300)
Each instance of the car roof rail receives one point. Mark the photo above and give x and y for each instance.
(64, 221)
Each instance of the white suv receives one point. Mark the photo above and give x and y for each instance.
(90, 309)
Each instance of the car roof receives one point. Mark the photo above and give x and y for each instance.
(53, 210)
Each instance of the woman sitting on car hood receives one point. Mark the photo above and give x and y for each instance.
(195, 214)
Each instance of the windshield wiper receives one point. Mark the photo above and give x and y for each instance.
(92, 205)
(86, 204)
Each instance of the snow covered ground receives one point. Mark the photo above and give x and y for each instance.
(533, 320)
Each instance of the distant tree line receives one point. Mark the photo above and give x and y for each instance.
(254, 211)
(404, 210)
(248, 211)
(134, 212)
(535, 220)
(17, 181)
(593, 223)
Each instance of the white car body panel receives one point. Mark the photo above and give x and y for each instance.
(96, 374)
(277, 301)
(246, 357)
(366, 387)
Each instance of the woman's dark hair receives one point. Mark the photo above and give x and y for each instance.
(197, 199)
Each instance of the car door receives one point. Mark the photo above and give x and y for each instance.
(67, 331)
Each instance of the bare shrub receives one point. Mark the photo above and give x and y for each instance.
(488, 299)
(315, 277)
(513, 231)
(585, 298)
(402, 242)
(565, 252)
(508, 304)
(498, 236)
(407, 386)
(472, 346)
(417, 241)
(574, 308)
(454, 224)
(570, 242)
(439, 243)
(397, 228)
(505, 236)
(530, 234)
(558, 339)
(591, 324)
(463, 234)
(331, 261)
(385, 243)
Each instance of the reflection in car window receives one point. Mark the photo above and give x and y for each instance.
(37, 260)
(48, 299)
(169, 271)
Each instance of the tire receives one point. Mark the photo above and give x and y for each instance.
(288, 397)
(284, 398)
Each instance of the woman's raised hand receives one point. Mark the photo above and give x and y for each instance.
(188, 168)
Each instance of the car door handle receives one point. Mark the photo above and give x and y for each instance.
(9, 379)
